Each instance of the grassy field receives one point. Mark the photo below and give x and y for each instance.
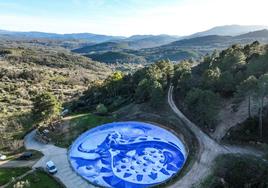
(6, 174)
(76, 125)
(40, 179)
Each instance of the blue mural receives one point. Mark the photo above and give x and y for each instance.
(127, 155)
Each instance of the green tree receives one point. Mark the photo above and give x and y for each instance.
(101, 108)
(156, 94)
(211, 77)
(149, 90)
(254, 48)
(226, 84)
(118, 75)
(247, 89)
(203, 104)
(113, 83)
(182, 75)
(231, 59)
(142, 92)
(167, 71)
(46, 107)
(153, 72)
(262, 92)
(258, 64)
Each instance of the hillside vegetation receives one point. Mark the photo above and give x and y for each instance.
(27, 72)
(239, 72)
(117, 57)
(102, 47)
(145, 85)
(237, 171)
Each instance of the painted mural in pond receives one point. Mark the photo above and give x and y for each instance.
(127, 155)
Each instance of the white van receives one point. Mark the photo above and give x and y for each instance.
(2, 157)
(51, 167)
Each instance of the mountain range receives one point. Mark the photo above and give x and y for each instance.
(190, 48)
(136, 42)
(145, 48)
(229, 30)
(94, 38)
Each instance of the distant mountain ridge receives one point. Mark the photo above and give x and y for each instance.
(96, 38)
(256, 34)
(261, 36)
(228, 30)
(105, 46)
(137, 37)
(204, 40)
(151, 48)
(152, 41)
(133, 42)
(178, 50)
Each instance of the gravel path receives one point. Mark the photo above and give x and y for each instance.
(209, 150)
(59, 156)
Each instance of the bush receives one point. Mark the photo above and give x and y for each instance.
(238, 171)
(22, 184)
(203, 104)
(46, 107)
(101, 108)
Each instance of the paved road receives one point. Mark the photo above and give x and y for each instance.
(59, 156)
(209, 150)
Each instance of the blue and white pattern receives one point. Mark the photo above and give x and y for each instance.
(127, 155)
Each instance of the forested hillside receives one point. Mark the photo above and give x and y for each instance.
(239, 72)
(145, 85)
(117, 57)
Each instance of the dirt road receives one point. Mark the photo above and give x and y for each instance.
(209, 150)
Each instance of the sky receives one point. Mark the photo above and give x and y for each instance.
(129, 17)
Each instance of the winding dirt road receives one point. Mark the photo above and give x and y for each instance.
(209, 150)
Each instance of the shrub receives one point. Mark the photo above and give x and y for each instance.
(46, 107)
(101, 108)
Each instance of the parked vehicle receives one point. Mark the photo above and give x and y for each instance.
(3, 157)
(64, 112)
(26, 156)
(51, 168)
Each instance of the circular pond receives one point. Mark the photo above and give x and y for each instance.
(127, 155)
